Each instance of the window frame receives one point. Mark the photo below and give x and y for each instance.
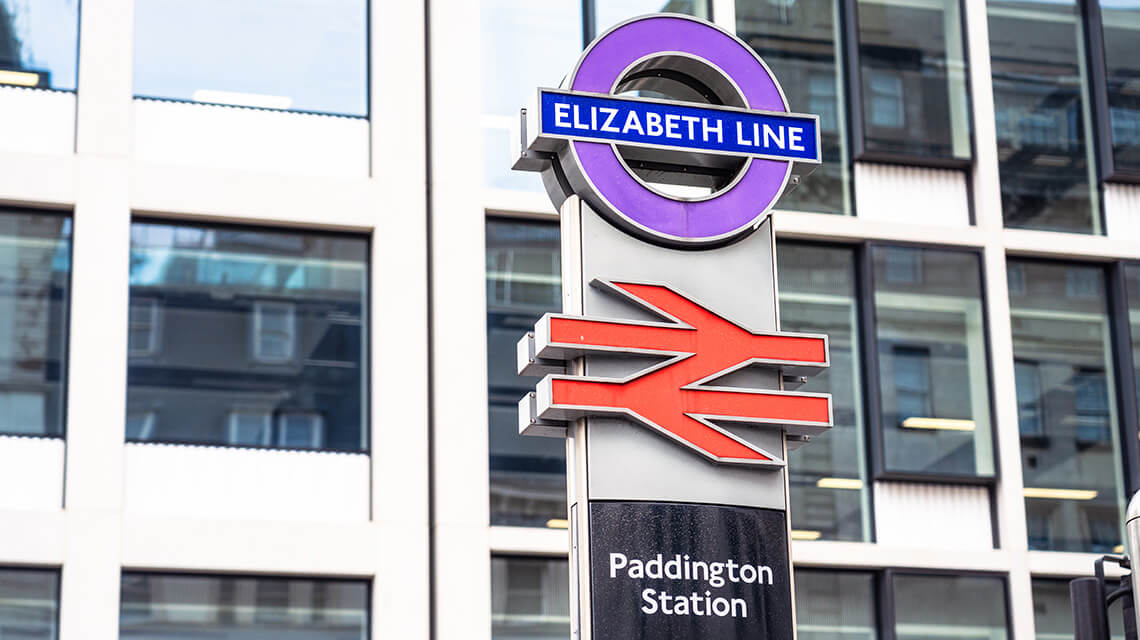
(58, 574)
(1093, 32)
(885, 610)
(1121, 337)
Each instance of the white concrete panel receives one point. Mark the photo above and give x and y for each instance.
(911, 195)
(37, 120)
(31, 473)
(246, 484)
(190, 134)
(1122, 212)
(932, 516)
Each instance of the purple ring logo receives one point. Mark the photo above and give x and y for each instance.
(573, 135)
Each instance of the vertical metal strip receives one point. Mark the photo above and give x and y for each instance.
(1121, 331)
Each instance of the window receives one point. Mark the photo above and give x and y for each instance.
(913, 65)
(35, 258)
(1120, 20)
(1053, 611)
(302, 55)
(530, 598)
(264, 336)
(932, 360)
(827, 479)
(835, 604)
(1070, 443)
(142, 327)
(608, 13)
(528, 481)
(240, 608)
(39, 43)
(1045, 150)
(948, 606)
(29, 604)
(800, 43)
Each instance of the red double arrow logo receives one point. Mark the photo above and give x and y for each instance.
(677, 396)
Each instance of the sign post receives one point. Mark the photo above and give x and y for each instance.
(666, 373)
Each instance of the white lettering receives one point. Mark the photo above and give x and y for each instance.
(653, 127)
(765, 575)
(743, 608)
(744, 571)
(617, 561)
(578, 124)
(672, 124)
(795, 138)
(611, 113)
(740, 135)
(561, 113)
(631, 123)
(650, 605)
(691, 120)
(706, 129)
(720, 607)
(770, 135)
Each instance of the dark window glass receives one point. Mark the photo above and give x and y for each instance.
(1132, 282)
(303, 55)
(800, 43)
(530, 599)
(35, 258)
(608, 13)
(1041, 112)
(1053, 611)
(835, 605)
(914, 78)
(29, 604)
(39, 43)
(247, 337)
(1121, 22)
(949, 607)
(933, 372)
(827, 478)
(238, 608)
(1071, 463)
(528, 475)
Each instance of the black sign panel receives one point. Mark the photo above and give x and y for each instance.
(668, 571)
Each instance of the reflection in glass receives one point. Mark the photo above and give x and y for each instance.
(827, 479)
(156, 607)
(1071, 464)
(39, 43)
(914, 78)
(528, 475)
(1121, 29)
(34, 273)
(1053, 611)
(1041, 113)
(799, 41)
(247, 337)
(963, 607)
(933, 372)
(530, 599)
(835, 605)
(303, 55)
(607, 13)
(526, 45)
(1132, 283)
(29, 604)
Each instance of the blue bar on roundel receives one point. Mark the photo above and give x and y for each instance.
(684, 127)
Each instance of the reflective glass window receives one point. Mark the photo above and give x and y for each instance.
(933, 371)
(247, 337)
(608, 13)
(1070, 446)
(29, 604)
(1121, 28)
(530, 598)
(302, 55)
(835, 605)
(526, 45)
(155, 607)
(827, 479)
(913, 76)
(528, 475)
(949, 606)
(1132, 284)
(1053, 611)
(800, 43)
(35, 258)
(1041, 111)
(39, 43)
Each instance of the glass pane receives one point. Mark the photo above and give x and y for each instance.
(526, 45)
(29, 604)
(155, 607)
(528, 475)
(608, 13)
(1070, 457)
(827, 478)
(800, 43)
(249, 325)
(933, 371)
(303, 55)
(1045, 162)
(1053, 611)
(1121, 22)
(35, 257)
(1132, 282)
(835, 605)
(39, 43)
(914, 78)
(961, 607)
(530, 599)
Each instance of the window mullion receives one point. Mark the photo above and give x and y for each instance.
(1098, 86)
(1121, 331)
(869, 350)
